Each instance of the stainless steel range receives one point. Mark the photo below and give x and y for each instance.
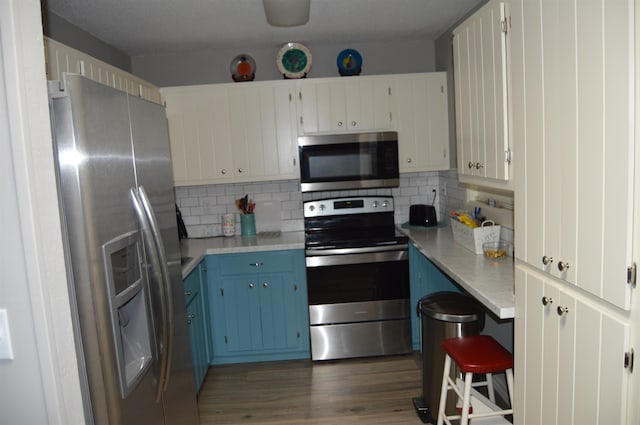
(357, 278)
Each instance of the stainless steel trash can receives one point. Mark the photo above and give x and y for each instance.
(443, 315)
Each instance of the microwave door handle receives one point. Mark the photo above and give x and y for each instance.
(166, 280)
(154, 259)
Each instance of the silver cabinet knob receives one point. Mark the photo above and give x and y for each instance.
(191, 316)
(546, 300)
(265, 285)
(224, 171)
(546, 260)
(353, 123)
(187, 293)
(339, 123)
(470, 165)
(240, 170)
(562, 266)
(479, 166)
(251, 285)
(562, 310)
(408, 160)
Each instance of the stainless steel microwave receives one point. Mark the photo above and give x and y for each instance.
(348, 161)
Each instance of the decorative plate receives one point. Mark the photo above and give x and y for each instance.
(294, 60)
(349, 62)
(243, 68)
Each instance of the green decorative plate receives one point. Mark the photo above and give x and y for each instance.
(294, 60)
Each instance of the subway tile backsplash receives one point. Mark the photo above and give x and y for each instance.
(202, 206)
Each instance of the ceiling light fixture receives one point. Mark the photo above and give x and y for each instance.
(286, 13)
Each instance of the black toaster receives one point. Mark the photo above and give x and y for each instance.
(422, 215)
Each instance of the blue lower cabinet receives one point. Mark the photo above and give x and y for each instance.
(259, 307)
(198, 322)
(425, 279)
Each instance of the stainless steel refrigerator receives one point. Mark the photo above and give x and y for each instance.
(123, 255)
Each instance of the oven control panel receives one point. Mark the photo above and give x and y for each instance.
(355, 205)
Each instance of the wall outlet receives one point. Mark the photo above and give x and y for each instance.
(6, 350)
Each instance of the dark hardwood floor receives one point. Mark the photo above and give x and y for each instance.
(358, 391)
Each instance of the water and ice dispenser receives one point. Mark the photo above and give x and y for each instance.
(130, 311)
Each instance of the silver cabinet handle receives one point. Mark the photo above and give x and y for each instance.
(562, 310)
(562, 266)
(546, 260)
(187, 293)
(546, 300)
(256, 264)
(265, 285)
(470, 164)
(191, 316)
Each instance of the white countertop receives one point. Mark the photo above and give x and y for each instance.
(489, 281)
(196, 249)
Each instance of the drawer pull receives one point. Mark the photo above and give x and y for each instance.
(187, 293)
(547, 300)
(256, 264)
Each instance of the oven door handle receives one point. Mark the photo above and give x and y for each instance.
(357, 258)
(359, 250)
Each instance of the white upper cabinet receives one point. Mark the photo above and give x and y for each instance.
(422, 121)
(199, 133)
(232, 132)
(480, 56)
(242, 132)
(60, 58)
(573, 120)
(345, 104)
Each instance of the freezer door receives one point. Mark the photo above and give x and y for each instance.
(154, 175)
(96, 172)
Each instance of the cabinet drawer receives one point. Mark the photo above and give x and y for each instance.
(191, 286)
(256, 262)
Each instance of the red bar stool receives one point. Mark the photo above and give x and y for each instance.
(474, 354)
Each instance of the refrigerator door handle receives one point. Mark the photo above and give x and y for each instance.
(156, 267)
(166, 281)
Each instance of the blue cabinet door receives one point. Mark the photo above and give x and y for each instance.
(425, 279)
(198, 322)
(259, 306)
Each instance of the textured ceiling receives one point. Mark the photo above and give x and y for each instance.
(139, 27)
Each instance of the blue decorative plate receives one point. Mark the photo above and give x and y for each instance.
(349, 62)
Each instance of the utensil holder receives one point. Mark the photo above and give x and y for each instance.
(248, 225)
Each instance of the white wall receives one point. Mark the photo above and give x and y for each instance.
(212, 66)
(41, 384)
(66, 33)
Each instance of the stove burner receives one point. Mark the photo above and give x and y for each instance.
(351, 223)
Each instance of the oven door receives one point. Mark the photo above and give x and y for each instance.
(348, 161)
(359, 305)
(347, 278)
